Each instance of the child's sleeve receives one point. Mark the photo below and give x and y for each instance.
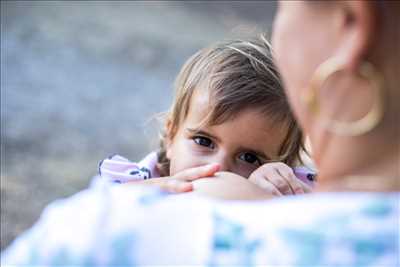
(118, 169)
(306, 175)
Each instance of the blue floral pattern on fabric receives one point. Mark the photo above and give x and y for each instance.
(143, 227)
(231, 246)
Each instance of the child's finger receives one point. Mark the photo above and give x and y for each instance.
(271, 173)
(280, 182)
(294, 183)
(168, 184)
(266, 185)
(176, 186)
(306, 187)
(197, 172)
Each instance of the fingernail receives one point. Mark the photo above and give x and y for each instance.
(213, 167)
(216, 166)
(299, 191)
(185, 187)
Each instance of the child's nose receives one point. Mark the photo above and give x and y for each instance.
(224, 161)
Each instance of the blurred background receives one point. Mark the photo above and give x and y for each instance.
(82, 80)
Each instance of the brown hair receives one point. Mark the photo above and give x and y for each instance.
(238, 75)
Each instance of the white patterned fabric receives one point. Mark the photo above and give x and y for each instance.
(137, 226)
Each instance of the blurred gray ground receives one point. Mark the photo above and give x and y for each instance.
(81, 81)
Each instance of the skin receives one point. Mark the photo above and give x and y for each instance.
(278, 179)
(240, 145)
(304, 36)
(304, 24)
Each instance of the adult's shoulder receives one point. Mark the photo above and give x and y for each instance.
(139, 225)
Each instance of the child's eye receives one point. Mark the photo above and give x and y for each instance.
(203, 141)
(250, 158)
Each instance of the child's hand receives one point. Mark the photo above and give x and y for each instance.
(278, 178)
(182, 181)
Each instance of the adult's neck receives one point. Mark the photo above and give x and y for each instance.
(365, 163)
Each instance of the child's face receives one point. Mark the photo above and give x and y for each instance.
(239, 145)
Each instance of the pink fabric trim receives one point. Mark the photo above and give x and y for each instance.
(120, 170)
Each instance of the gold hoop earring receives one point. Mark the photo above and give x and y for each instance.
(360, 126)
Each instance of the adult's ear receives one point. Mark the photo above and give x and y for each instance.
(358, 23)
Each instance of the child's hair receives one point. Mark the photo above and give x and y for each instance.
(237, 75)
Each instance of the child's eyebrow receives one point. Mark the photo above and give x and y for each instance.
(202, 132)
